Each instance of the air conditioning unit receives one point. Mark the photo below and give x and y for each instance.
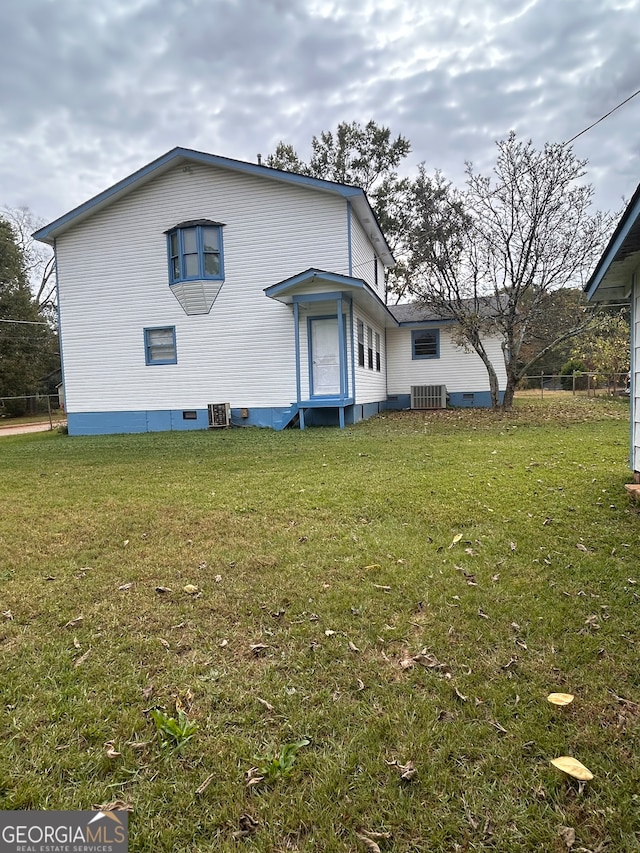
(219, 415)
(428, 396)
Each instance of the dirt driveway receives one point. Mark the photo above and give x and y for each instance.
(20, 429)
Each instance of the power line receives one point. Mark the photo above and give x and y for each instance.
(602, 118)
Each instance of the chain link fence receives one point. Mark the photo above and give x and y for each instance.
(584, 384)
(32, 408)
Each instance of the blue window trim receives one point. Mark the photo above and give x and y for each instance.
(202, 275)
(419, 333)
(148, 356)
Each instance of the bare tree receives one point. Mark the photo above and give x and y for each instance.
(38, 258)
(489, 257)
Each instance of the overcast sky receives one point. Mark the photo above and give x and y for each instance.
(91, 91)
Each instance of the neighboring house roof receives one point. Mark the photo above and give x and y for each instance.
(355, 195)
(416, 312)
(610, 279)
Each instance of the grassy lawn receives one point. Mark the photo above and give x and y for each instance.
(402, 594)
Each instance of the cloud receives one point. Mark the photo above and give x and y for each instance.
(92, 92)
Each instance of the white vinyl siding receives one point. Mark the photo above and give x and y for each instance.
(114, 283)
(370, 384)
(459, 370)
(364, 258)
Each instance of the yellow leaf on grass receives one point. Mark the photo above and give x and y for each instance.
(560, 698)
(572, 767)
(190, 589)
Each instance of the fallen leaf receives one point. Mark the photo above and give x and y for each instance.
(124, 586)
(456, 539)
(369, 843)
(163, 589)
(407, 771)
(203, 787)
(582, 547)
(572, 767)
(360, 683)
(190, 589)
(372, 566)
(560, 698)
(138, 744)
(460, 696)
(513, 546)
(147, 691)
(8, 615)
(252, 777)
(82, 659)
(384, 588)
(258, 648)
(114, 806)
(111, 751)
(329, 633)
(482, 614)
(248, 825)
(218, 578)
(76, 643)
(73, 622)
(568, 835)
(164, 643)
(265, 704)
(353, 647)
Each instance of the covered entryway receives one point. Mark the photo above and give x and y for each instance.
(325, 349)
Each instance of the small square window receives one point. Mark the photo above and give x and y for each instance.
(425, 343)
(160, 345)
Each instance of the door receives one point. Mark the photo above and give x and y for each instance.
(325, 357)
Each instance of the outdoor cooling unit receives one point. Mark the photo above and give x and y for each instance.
(219, 415)
(428, 396)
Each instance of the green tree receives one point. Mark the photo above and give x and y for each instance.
(367, 157)
(605, 348)
(490, 257)
(28, 348)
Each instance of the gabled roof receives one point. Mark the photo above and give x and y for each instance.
(294, 289)
(355, 195)
(611, 278)
(411, 313)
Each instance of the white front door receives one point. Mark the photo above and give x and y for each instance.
(325, 357)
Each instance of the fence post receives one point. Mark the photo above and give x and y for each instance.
(541, 385)
(573, 383)
(49, 412)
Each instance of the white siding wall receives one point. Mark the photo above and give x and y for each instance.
(114, 282)
(371, 385)
(364, 258)
(459, 370)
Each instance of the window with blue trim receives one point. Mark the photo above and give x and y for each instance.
(195, 251)
(425, 343)
(160, 345)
